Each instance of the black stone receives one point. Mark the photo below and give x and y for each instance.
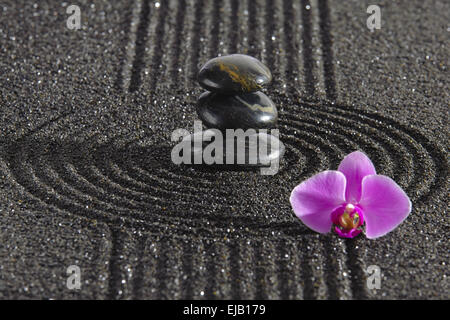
(236, 73)
(249, 110)
(261, 149)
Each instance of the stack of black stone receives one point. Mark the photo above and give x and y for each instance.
(234, 102)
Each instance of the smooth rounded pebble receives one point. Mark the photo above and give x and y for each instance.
(236, 73)
(250, 110)
(256, 149)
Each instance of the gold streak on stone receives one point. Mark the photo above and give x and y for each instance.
(245, 83)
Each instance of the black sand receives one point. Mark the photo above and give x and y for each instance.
(86, 177)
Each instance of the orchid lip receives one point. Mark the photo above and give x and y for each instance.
(348, 220)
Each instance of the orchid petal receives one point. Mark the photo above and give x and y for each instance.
(355, 167)
(314, 199)
(384, 203)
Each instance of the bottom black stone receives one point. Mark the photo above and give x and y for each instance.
(234, 148)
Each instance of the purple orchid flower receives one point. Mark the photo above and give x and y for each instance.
(349, 197)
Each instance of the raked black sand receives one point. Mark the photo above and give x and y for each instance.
(86, 176)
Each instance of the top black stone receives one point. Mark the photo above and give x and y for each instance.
(236, 73)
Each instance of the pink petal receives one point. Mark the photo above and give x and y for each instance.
(384, 203)
(313, 200)
(355, 167)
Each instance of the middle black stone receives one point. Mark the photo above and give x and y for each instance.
(244, 111)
